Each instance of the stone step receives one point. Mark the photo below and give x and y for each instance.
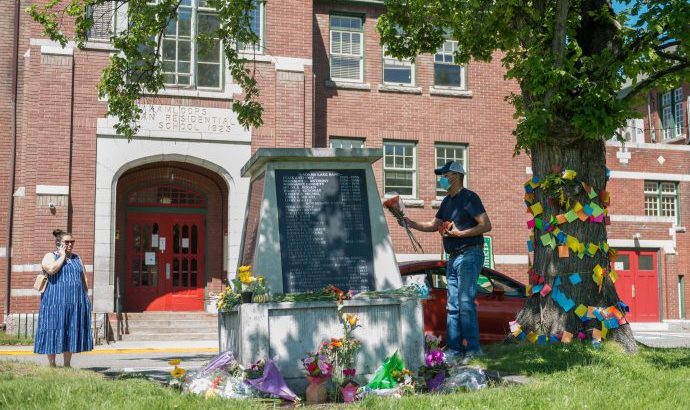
(166, 324)
(171, 330)
(155, 337)
(164, 315)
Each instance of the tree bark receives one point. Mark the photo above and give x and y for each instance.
(543, 315)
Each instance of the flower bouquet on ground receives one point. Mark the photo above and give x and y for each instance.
(397, 208)
(228, 299)
(319, 370)
(177, 375)
(343, 353)
(392, 378)
(435, 369)
(265, 377)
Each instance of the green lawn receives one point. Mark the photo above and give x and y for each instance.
(563, 377)
(10, 340)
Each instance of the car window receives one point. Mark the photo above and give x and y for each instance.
(484, 285)
(510, 288)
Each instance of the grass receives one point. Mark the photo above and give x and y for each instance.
(565, 376)
(12, 340)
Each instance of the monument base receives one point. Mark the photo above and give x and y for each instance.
(287, 331)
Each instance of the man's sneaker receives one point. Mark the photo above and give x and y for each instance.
(469, 356)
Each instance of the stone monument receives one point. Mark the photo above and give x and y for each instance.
(315, 218)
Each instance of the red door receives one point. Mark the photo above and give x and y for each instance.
(638, 285)
(165, 262)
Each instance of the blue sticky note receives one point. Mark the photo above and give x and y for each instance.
(567, 304)
(522, 336)
(575, 278)
(537, 289)
(588, 210)
(530, 246)
(557, 281)
(612, 323)
(561, 237)
(555, 294)
(535, 179)
(622, 306)
(596, 343)
(554, 339)
(541, 340)
(529, 189)
(598, 315)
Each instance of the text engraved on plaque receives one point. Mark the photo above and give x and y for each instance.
(325, 231)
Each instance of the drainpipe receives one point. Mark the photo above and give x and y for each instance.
(13, 155)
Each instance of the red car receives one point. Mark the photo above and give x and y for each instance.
(499, 299)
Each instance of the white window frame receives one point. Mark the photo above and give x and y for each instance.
(654, 194)
(331, 53)
(338, 142)
(259, 47)
(464, 158)
(671, 114)
(398, 62)
(449, 55)
(412, 170)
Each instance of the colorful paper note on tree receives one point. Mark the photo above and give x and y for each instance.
(536, 209)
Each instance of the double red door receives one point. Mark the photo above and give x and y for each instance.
(164, 262)
(638, 284)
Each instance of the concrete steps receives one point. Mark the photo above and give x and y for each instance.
(167, 326)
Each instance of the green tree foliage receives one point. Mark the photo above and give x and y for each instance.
(135, 70)
(579, 65)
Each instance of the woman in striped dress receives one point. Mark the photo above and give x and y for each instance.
(64, 321)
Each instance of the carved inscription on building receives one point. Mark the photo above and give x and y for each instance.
(325, 231)
(191, 119)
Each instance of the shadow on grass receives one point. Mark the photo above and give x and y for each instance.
(666, 359)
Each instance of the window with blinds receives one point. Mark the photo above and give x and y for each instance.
(346, 51)
(103, 20)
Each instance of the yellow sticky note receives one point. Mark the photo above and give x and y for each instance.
(613, 275)
(581, 310)
(577, 207)
(569, 174)
(536, 209)
(604, 330)
(592, 248)
(570, 216)
(572, 243)
(532, 337)
(605, 247)
(528, 290)
(599, 271)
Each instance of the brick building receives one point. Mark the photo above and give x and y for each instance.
(158, 220)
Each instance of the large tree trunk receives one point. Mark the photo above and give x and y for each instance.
(541, 314)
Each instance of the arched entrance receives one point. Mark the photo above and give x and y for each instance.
(169, 247)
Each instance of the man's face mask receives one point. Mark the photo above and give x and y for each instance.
(444, 182)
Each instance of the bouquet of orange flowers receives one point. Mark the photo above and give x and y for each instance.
(397, 208)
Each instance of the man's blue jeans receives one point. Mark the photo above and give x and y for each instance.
(462, 274)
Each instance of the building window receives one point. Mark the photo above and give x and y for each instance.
(338, 142)
(397, 71)
(446, 72)
(256, 24)
(103, 20)
(661, 199)
(450, 152)
(672, 114)
(346, 48)
(400, 168)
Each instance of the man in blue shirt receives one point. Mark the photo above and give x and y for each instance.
(461, 220)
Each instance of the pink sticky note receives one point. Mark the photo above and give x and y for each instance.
(530, 224)
(598, 219)
(545, 290)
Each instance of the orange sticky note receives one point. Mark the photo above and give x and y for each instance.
(529, 197)
(582, 215)
(567, 337)
(560, 218)
(590, 312)
(596, 334)
(563, 251)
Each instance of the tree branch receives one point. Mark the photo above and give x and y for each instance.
(671, 56)
(654, 77)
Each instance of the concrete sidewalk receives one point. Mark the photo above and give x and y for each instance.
(145, 347)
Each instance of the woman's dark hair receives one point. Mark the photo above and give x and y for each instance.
(59, 234)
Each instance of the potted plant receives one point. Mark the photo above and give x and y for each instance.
(228, 299)
(259, 290)
(435, 369)
(243, 283)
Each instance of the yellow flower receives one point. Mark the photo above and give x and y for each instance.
(174, 362)
(352, 319)
(245, 268)
(246, 277)
(210, 393)
(178, 372)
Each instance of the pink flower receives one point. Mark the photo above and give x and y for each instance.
(349, 372)
(308, 360)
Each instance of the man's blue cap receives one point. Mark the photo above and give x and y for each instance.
(450, 166)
